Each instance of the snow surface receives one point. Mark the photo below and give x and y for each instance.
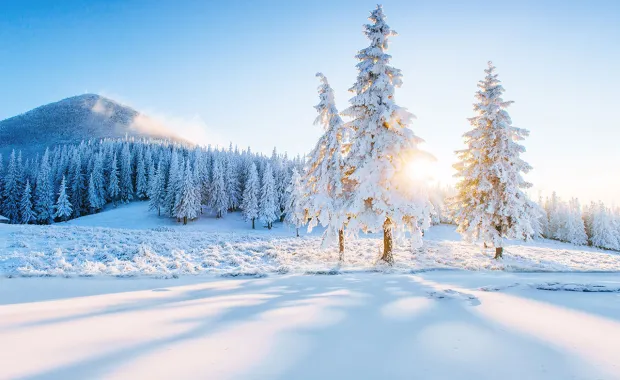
(143, 244)
(433, 325)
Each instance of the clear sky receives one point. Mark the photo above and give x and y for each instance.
(243, 71)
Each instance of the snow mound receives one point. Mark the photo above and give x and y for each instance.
(569, 287)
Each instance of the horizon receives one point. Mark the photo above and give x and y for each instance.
(223, 81)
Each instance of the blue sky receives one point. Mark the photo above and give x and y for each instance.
(243, 71)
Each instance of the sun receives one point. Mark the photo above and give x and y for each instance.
(420, 169)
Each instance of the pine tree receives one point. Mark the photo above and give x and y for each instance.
(126, 185)
(94, 201)
(249, 204)
(382, 198)
(187, 207)
(113, 185)
(12, 189)
(268, 208)
(296, 214)
(219, 201)
(174, 183)
(157, 190)
(27, 214)
(232, 182)
(63, 206)
(572, 229)
(603, 232)
(324, 197)
(44, 193)
(77, 185)
(141, 178)
(490, 204)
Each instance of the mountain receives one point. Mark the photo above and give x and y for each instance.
(74, 119)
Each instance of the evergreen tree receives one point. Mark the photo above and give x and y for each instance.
(44, 193)
(141, 178)
(78, 185)
(268, 208)
(126, 185)
(324, 198)
(490, 204)
(296, 214)
(27, 214)
(174, 183)
(12, 190)
(94, 201)
(232, 182)
(382, 146)
(113, 185)
(249, 204)
(157, 193)
(189, 203)
(219, 201)
(572, 229)
(603, 231)
(63, 206)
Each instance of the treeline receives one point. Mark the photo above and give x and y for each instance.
(596, 224)
(67, 181)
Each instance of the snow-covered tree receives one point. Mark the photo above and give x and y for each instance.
(603, 231)
(296, 214)
(555, 216)
(27, 214)
(490, 204)
(219, 201)
(113, 185)
(382, 198)
(174, 183)
(268, 208)
(249, 204)
(44, 193)
(189, 202)
(231, 180)
(125, 185)
(141, 178)
(77, 185)
(323, 197)
(157, 188)
(571, 228)
(95, 202)
(63, 206)
(12, 189)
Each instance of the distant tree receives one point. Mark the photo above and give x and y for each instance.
(113, 184)
(12, 189)
(219, 200)
(44, 194)
(572, 229)
(77, 185)
(141, 178)
(296, 214)
(249, 204)
(157, 190)
(26, 212)
(268, 208)
(174, 183)
(189, 203)
(63, 206)
(603, 231)
(126, 185)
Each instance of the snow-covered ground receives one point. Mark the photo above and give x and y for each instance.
(130, 240)
(433, 325)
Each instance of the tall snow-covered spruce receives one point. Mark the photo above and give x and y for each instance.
(323, 196)
(490, 204)
(382, 146)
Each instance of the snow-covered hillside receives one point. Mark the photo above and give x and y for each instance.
(130, 240)
(75, 119)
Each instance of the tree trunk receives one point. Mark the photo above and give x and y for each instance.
(388, 242)
(253, 224)
(158, 211)
(269, 225)
(498, 253)
(184, 220)
(297, 231)
(485, 245)
(341, 245)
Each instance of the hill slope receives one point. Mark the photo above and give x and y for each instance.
(75, 119)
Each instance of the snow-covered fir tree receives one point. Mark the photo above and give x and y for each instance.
(157, 188)
(189, 202)
(490, 204)
(296, 214)
(249, 204)
(12, 189)
(78, 189)
(26, 212)
(44, 193)
(382, 145)
(571, 228)
(113, 184)
(95, 202)
(125, 185)
(174, 183)
(219, 200)
(604, 235)
(323, 198)
(231, 181)
(268, 208)
(141, 178)
(63, 207)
